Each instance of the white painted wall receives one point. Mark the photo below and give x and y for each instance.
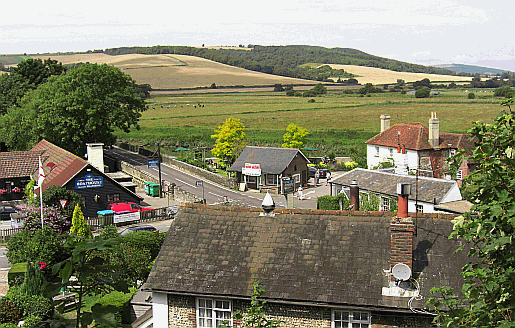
(374, 158)
(160, 310)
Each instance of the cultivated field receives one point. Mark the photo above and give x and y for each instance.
(179, 71)
(383, 76)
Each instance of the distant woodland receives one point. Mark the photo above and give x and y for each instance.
(292, 61)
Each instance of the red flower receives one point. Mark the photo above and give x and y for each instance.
(42, 265)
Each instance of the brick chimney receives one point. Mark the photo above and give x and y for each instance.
(385, 122)
(434, 131)
(401, 230)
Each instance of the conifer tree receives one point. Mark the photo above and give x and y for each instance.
(79, 225)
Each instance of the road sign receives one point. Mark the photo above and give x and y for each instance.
(199, 183)
(153, 163)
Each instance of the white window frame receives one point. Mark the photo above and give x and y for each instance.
(204, 312)
(377, 150)
(296, 178)
(274, 178)
(459, 174)
(354, 318)
(419, 208)
(385, 204)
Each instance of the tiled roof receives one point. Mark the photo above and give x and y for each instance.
(429, 189)
(309, 256)
(18, 164)
(272, 160)
(66, 165)
(415, 136)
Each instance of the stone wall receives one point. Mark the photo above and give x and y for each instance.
(182, 314)
(140, 177)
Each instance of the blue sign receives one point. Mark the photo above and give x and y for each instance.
(153, 163)
(89, 181)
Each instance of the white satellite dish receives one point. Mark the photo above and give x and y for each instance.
(401, 271)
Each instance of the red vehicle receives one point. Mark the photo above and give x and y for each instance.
(128, 207)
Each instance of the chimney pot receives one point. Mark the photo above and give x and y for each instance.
(354, 195)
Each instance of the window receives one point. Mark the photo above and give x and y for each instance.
(459, 174)
(350, 319)
(385, 204)
(420, 208)
(377, 150)
(271, 179)
(452, 152)
(296, 178)
(113, 198)
(212, 313)
(391, 152)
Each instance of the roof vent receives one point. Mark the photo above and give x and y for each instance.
(268, 205)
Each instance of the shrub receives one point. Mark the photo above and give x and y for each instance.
(311, 100)
(290, 93)
(33, 280)
(35, 305)
(422, 92)
(472, 95)
(349, 166)
(44, 245)
(16, 274)
(504, 91)
(333, 202)
(79, 225)
(122, 302)
(9, 312)
(52, 217)
(110, 231)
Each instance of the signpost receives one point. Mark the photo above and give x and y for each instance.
(154, 162)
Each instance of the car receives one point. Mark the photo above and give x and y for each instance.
(6, 210)
(128, 207)
(138, 228)
(322, 173)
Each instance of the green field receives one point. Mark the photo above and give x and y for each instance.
(12, 59)
(335, 121)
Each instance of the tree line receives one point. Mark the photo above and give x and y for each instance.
(291, 61)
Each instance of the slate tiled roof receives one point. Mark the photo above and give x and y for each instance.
(308, 256)
(429, 189)
(18, 164)
(415, 137)
(67, 165)
(272, 160)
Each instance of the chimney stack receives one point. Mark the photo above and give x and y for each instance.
(402, 230)
(96, 155)
(385, 122)
(354, 195)
(434, 131)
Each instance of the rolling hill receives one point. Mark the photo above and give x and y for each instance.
(182, 72)
(472, 69)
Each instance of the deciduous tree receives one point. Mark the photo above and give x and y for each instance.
(229, 140)
(295, 136)
(488, 290)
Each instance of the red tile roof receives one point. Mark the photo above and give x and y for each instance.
(415, 136)
(66, 165)
(18, 164)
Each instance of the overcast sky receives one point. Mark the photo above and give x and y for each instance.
(425, 32)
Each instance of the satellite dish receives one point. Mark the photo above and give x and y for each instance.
(401, 271)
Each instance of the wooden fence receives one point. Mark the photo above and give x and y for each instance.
(158, 214)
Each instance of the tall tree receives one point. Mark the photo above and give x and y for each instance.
(82, 106)
(295, 136)
(229, 140)
(489, 289)
(79, 225)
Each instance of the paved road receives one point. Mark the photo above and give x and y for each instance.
(212, 192)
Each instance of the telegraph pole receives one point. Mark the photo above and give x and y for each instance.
(159, 165)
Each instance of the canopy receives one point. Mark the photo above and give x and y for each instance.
(180, 149)
(309, 149)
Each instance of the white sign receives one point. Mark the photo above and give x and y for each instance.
(251, 169)
(126, 217)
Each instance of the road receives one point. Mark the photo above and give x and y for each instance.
(212, 192)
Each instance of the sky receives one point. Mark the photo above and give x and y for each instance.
(423, 32)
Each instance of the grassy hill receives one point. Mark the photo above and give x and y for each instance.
(472, 69)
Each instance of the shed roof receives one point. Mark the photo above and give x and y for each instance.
(18, 164)
(271, 160)
(430, 190)
(308, 256)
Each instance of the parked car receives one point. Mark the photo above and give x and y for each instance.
(6, 210)
(313, 171)
(128, 207)
(138, 228)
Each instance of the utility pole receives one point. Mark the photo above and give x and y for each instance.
(159, 165)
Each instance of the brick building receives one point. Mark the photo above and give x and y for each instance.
(321, 269)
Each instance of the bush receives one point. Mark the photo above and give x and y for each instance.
(52, 217)
(333, 202)
(122, 302)
(35, 305)
(44, 245)
(110, 231)
(16, 274)
(422, 92)
(290, 93)
(472, 95)
(9, 312)
(504, 91)
(311, 100)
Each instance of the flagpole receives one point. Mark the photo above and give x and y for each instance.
(41, 177)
